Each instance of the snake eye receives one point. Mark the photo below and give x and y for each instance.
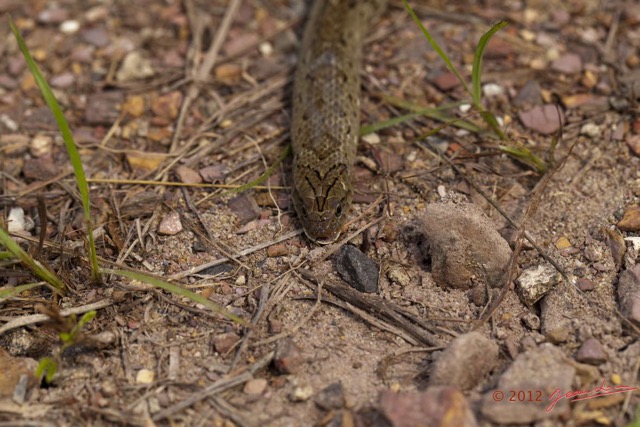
(338, 210)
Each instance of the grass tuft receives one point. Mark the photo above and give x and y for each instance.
(476, 72)
(178, 290)
(69, 143)
(36, 268)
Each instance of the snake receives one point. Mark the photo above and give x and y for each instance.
(326, 113)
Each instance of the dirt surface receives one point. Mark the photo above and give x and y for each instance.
(197, 93)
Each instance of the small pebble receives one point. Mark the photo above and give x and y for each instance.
(170, 224)
(569, 63)
(591, 130)
(288, 358)
(563, 243)
(330, 397)
(70, 27)
(265, 48)
(492, 89)
(245, 208)
(591, 352)
(188, 175)
(399, 276)
(255, 387)
(277, 250)
(223, 343)
(16, 222)
(145, 376)
(633, 142)
(134, 67)
(585, 284)
(531, 321)
(371, 138)
(435, 406)
(465, 361)
(630, 219)
(629, 294)
(544, 119)
(536, 282)
(302, 393)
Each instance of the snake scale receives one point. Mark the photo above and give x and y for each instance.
(326, 113)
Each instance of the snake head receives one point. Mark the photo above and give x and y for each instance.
(322, 206)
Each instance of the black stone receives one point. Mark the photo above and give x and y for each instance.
(358, 270)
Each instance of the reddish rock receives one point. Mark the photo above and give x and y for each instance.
(223, 343)
(569, 63)
(436, 406)
(545, 119)
(446, 81)
(591, 352)
(288, 358)
(630, 219)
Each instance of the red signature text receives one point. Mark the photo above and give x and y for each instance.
(576, 395)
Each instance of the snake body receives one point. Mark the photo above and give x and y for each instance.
(326, 113)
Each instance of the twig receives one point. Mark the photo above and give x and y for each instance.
(205, 68)
(217, 387)
(376, 305)
(242, 253)
(36, 318)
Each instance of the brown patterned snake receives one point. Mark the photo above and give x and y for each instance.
(326, 113)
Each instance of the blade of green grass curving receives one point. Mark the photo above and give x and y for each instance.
(34, 266)
(526, 156)
(178, 290)
(476, 71)
(69, 142)
(436, 47)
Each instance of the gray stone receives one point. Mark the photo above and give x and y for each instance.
(330, 397)
(536, 282)
(465, 362)
(542, 370)
(358, 270)
(629, 294)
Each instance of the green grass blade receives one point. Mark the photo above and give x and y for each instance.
(34, 266)
(526, 156)
(428, 112)
(435, 46)
(65, 131)
(436, 113)
(11, 292)
(47, 367)
(178, 290)
(477, 60)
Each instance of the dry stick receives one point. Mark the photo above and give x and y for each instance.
(242, 253)
(264, 298)
(372, 320)
(299, 324)
(374, 304)
(217, 387)
(209, 239)
(205, 68)
(36, 318)
(531, 207)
